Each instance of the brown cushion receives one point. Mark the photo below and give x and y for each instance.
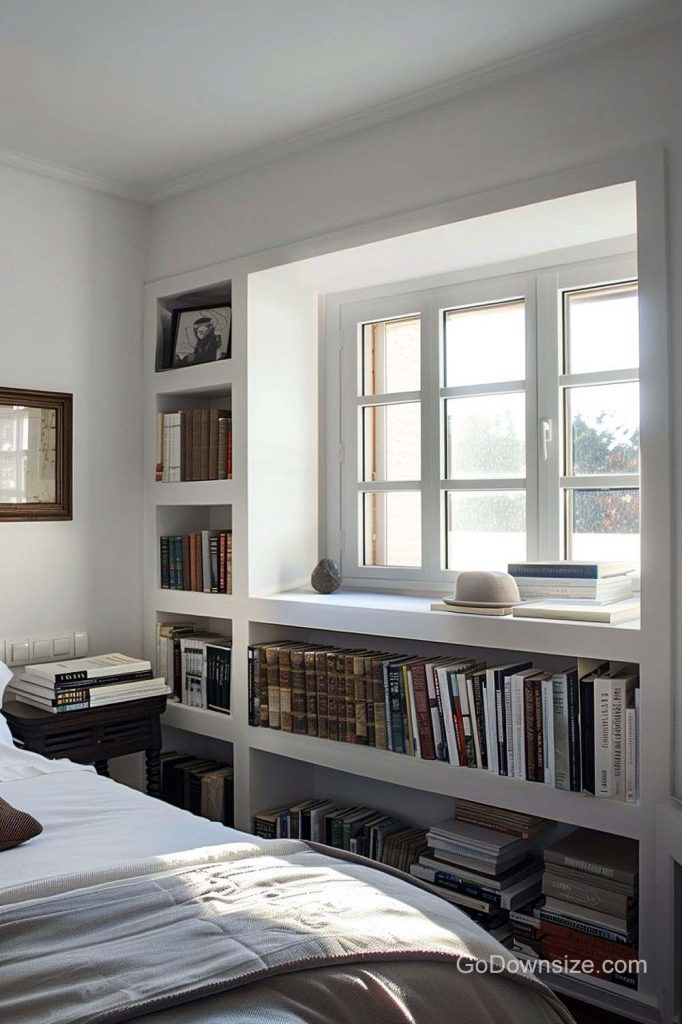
(16, 827)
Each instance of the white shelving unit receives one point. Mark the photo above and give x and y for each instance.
(273, 505)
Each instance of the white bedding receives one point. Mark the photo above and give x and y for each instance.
(89, 821)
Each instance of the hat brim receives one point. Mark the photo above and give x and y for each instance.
(480, 604)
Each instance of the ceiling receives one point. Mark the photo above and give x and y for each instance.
(149, 97)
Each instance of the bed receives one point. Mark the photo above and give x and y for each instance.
(126, 908)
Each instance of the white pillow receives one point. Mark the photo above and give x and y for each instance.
(5, 734)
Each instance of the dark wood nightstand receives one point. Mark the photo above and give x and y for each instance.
(93, 736)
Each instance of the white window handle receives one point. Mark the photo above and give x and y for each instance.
(545, 436)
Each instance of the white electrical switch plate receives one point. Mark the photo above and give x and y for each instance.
(80, 644)
(42, 650)
(63, 647)
(19, 652)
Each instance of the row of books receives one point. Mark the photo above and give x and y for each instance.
(589, 906)
(197, 665)
(574, 729)
(362, 830)
(194, 444)
(504, 869)
(200, 561)
(82, 683)
(200, 785)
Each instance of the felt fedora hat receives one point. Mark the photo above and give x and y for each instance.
(485, 590)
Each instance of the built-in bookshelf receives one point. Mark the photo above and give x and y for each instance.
(272, 507)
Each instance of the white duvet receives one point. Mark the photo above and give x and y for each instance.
(89, 821)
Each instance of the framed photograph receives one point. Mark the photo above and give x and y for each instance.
(201, 335)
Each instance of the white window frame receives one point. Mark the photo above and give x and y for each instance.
(542, 290)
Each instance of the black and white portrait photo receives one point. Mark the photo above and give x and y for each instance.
(201, 335)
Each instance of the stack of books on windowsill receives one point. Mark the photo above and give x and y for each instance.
(580, 591)
(83, 683)
(590, 885)
(486, 869)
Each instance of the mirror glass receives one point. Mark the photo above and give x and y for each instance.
(28, 454)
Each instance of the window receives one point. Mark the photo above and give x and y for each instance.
(489, 422)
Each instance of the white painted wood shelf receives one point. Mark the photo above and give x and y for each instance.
(194, 492)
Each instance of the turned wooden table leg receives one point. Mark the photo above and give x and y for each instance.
(153, 765)
(102, 767)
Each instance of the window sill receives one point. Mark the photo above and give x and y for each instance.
(408, 616)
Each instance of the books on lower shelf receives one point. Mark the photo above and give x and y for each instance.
(589, 906)
(194, 444)
(201, 562)
(83, 683)
(200, 785)
(362, 830)
(575, 729)
(196, 664)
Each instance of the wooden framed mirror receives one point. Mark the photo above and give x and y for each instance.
(35, 455)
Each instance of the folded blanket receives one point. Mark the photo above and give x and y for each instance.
(116, 945)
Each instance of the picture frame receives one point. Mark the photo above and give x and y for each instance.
(200, 334)
(36, 464)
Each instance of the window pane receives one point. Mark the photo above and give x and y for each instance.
(485, 529)
(392, 528)
(602, 329)
(485, 344)
(604, 429)
(603, 524)
(392, 442)
(391, 356)
(485, 436)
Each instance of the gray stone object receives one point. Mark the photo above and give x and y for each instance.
(326, 576)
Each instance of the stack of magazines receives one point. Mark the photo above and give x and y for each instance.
(583, 591)
(82, 683)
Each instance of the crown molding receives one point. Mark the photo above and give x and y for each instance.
(432, 96)
(83, 179)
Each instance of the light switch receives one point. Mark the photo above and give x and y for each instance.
(42, 650)
(20, 654)
(62, 647)
(80, 645)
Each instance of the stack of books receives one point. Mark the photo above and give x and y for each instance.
(362, 830)
(200, 785)
(200, 561)
(83, 683)
(575, 728)
(581, 591)
(194, 444)
(486, 869)
(590, 885)
(196, 665)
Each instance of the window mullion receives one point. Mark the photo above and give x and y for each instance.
(548, 418)
(431, 442)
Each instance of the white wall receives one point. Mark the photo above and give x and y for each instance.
(619, 97)
(71, 268)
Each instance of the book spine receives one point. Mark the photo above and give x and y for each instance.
(427, 748)
(490, 710)
(539, 732)
(500, 715)
(479, 716)
(332, 698)
(549, 917)
(251, 684)
(618, 699)
(630, 755)
(322, 694)
(213, 416)
(562, 775)
(519, 727)
(558, 572)
(587, 735)
(529, 728)
(434, 711)
(548, 743)
(310, 693)
(509, 728)
(272, 661)
(574, 736)
(357, 728)
(299, 717)
(602, 737)
(380, 725)
(285, 690)
(397, 731)
(222, 448)
(165, 562)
